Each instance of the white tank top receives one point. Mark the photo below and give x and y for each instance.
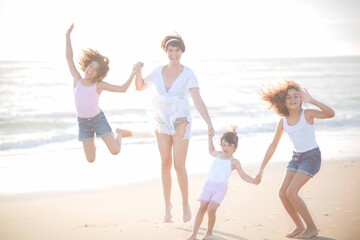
(220, 170)
(302, 135)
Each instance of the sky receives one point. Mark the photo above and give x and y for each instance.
(131, 30)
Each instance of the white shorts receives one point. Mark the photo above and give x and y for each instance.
(213, 192)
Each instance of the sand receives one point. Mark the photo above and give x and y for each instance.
(135, 210)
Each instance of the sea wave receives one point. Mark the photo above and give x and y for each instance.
(37, 107)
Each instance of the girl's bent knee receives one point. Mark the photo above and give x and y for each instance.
(282, 194)
(115, 151)
(290, 193)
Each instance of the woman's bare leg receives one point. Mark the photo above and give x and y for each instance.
(165, 147)
(180, 146)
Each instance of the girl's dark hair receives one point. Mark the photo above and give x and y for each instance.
(89, 55)
(276, 96)
(174, 41)
(230, 137)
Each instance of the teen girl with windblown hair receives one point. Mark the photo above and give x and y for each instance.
(87, 90)
(286, 100)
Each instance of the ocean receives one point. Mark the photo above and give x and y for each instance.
(37, 106)
(38, 112)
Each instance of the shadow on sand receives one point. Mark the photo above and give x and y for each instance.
(218, 235)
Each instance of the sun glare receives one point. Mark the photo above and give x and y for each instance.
(132, 29)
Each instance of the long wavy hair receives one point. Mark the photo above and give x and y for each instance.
(276, 96)
(89, 55)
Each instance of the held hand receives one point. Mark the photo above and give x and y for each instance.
(254, 181)
(258, 179)
(211, 132)
(70, 30)
(137, 67)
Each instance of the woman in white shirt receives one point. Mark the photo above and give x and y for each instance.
(174, 83)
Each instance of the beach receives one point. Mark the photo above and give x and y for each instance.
(49, 191)
(135, 210)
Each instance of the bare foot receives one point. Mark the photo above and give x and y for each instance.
(308, 233)
(124, 132)
(186, 212)
(191, 238)
(168, 215)
(208, 236)
(297, 231)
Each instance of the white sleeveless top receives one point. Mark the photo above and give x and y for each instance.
(220, 171)
(302, 135)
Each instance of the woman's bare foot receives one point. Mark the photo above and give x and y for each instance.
(191, 238)
(308, 233)
(186, 212)
(168, 215)
(297, 231)
(123, 132)
(208, 236)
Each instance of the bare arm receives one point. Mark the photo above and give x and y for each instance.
(235, 164)
(324, 112)
(271, 149)
(200, 106)
(212, 150)
(69, 56)
(120, 88)
(139, 81)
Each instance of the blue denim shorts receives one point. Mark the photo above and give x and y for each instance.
(89, 126)
(307, 162)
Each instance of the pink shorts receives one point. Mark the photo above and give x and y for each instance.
(213, 192)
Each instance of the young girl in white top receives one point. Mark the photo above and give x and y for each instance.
(175, 84)
(298, 123)
(216, 186)
(87, 92)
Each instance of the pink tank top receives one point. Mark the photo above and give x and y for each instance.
(86, 100)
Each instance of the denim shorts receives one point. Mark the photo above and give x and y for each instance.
(213, 192)
(307, 162)
(89, 126)
(179, 121)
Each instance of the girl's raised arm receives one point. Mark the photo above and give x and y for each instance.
(69, 56)
(124, 87)
(324, 112)
(212, 150)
